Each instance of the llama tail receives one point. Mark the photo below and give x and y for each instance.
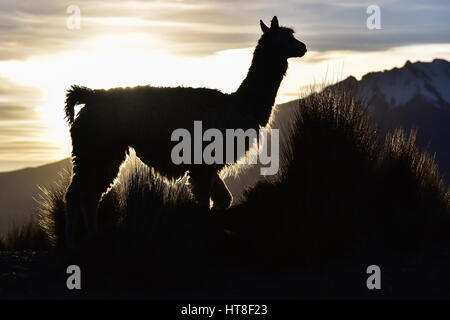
(76, 95)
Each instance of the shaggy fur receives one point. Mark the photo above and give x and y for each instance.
(144, 118)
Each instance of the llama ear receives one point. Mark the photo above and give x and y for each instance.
(274, 23)
(264, 28)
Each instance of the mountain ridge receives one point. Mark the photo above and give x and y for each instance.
(396, 87)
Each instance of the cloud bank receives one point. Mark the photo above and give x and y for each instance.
(200, 27)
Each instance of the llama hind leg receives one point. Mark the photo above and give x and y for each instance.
(80, 210)
(73, 213)
(84, 195)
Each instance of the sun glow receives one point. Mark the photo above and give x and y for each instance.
(107, 62)
(130, 60)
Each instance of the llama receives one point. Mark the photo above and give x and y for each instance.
(144, 117)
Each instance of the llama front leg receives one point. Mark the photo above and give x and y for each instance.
(200, 187)
(220, 194)
(206, 184)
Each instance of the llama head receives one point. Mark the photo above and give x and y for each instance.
(281, 40)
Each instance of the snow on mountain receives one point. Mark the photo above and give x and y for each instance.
(413, 97)
(398, 86)
(416, 96)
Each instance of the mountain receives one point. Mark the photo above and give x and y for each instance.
(19, 188)
(416, 96)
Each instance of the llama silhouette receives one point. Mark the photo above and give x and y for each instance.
(144, 118)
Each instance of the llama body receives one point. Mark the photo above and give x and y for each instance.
(145, 117)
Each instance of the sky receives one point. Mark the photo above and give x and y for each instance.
(199, 43)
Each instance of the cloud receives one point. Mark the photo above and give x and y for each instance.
(19, 123)
(22, 129)
(31, 147)
(37, 48)
(17, 102)
(8, 112)
(23, 153)
(201, 27)
(9, 91)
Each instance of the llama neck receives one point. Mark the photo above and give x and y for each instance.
(259, 89)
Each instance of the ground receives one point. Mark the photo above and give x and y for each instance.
(422, 274)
